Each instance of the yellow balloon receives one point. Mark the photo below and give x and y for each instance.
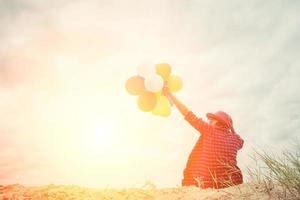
(174, 83)
(162, 107)
(164, 70)
(147, 101)
(158, 94)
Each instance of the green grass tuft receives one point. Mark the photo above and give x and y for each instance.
(282, 171)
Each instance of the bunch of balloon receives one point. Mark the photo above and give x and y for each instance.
(148, 85)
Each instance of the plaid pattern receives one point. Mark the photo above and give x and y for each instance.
(212, 162)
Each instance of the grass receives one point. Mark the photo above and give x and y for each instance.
(273, 177)
(280, 171)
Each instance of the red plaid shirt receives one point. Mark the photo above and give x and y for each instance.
(212, 162)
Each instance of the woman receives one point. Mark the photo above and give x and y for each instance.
(212, 162)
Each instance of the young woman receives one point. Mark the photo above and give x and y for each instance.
(212, 162)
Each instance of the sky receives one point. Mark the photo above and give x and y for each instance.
(66, 117)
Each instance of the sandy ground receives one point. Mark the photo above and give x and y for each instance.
(244, 191)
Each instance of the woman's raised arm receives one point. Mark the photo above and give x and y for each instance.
(179, 105)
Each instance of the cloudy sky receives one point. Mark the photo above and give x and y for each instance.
(66, 118)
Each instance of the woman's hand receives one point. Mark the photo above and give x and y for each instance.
(166, 91)
(173, 100)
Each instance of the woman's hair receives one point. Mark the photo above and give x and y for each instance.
(232, 130)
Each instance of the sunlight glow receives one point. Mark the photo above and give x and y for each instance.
(99, 138)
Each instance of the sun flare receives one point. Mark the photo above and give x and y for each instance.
(99, 137)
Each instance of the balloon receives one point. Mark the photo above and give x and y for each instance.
(147, 101)
(154, 83)
(164, 70)
(158, 93)
(162, 107)
(174, 83)
(135, 85)
(145, 69)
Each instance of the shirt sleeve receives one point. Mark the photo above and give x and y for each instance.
(203, 127)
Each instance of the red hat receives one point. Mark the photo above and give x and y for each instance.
(221, 117)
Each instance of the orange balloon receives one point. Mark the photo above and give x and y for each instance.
(147, 101)
(135, 85)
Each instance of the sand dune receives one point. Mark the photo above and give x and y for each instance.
(244, 191)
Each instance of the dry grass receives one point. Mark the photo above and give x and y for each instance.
(274, 177)
(14, 192)
(279, 175)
